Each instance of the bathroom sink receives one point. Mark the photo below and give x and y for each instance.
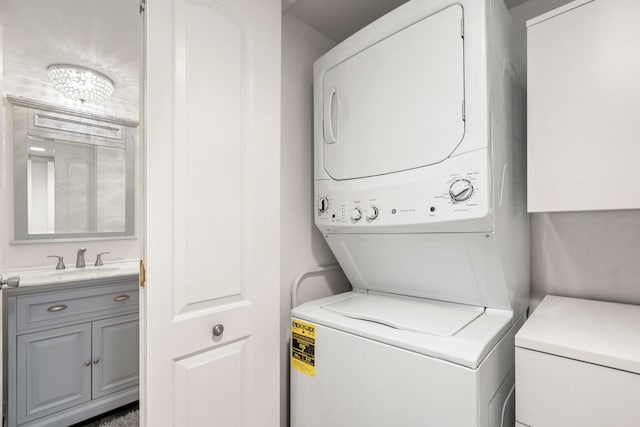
(48, 276)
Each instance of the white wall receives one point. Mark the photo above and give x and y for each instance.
(530, 9)
(582, 254)
(19, 256)
(302, 245)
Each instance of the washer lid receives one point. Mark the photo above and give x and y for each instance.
(408, 314)
(603, 333)
(457, 333)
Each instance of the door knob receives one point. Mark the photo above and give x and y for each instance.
(87, 362)
(218, 330)
(12, 282)
(96, 360)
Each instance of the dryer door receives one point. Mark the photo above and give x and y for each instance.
(398, 104)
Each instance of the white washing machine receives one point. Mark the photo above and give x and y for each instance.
(419, 192)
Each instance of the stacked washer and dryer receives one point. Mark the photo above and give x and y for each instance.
(420, 193)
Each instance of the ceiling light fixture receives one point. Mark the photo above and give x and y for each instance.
(80, 83)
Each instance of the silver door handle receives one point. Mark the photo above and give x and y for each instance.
(96, 360)
(218, 330)
(12, 281)
(121, 298)
(87, 362)
(55, 308)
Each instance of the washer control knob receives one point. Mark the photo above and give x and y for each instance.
(372, 213)
(323, 205)
(356, 215)
(461, 190)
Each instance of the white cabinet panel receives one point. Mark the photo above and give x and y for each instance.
(583, 107)
(578, 364)
(554, 391)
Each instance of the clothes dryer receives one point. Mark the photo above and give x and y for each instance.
(419, 192)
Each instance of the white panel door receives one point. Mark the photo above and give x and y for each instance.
(212, 203)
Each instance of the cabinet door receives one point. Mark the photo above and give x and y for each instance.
(583, 108)
(115, 355)
(53, 371)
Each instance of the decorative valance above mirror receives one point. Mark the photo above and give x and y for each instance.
(74, 173)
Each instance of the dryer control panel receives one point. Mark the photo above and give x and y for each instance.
(422, 197)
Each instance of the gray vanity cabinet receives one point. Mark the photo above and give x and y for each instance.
(72, 351)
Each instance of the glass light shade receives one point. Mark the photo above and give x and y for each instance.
(79, 83)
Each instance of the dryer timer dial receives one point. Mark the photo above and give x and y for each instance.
(323, 205)
(461, 190)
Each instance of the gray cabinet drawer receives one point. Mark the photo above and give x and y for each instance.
(57, 307)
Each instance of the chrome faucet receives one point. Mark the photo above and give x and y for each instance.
(60, 265)
(99, 259)
(80, 258)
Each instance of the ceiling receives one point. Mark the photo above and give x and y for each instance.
(338, 19)
(104, 35)
(513, 3)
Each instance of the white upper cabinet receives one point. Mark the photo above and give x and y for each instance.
(584, 107)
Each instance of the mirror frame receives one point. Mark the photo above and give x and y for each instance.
(20, 154)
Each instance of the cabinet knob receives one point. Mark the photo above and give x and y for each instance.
(121, 298)
(87, 362)
(96, 360)
(218, 330)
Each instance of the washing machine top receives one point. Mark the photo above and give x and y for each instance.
(602, 333)
(458, 333)
(407, 314)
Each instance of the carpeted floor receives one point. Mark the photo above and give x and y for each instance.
(130, 419)
(126, 416)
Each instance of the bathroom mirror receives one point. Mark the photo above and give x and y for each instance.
(71, 89)
(73, 173)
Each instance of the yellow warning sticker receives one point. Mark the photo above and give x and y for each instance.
(303, 347)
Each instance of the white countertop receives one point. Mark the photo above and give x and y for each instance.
(48, 275)
(603, 333)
